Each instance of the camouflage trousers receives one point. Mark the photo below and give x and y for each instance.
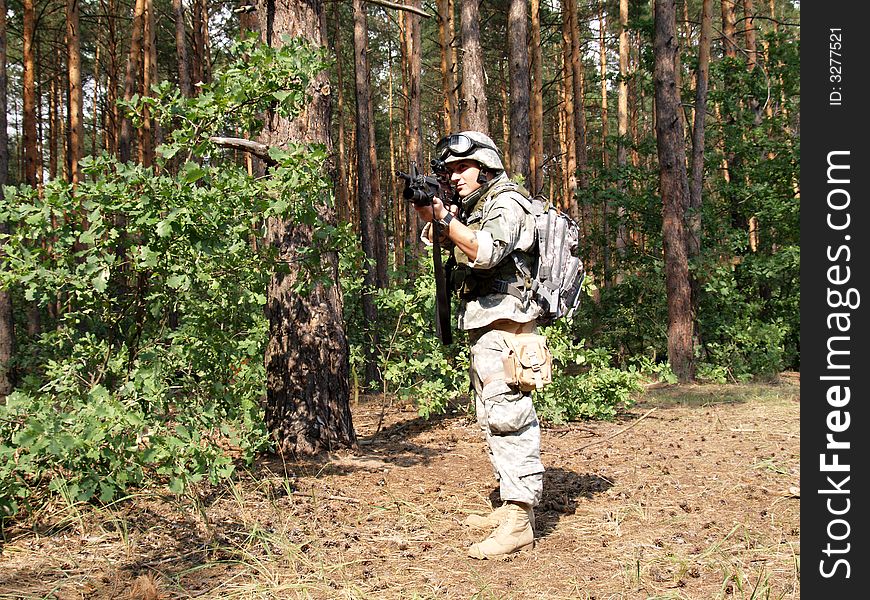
(507, 416)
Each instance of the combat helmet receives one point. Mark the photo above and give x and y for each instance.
(469, 145)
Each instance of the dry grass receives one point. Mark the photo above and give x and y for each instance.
(697, 500)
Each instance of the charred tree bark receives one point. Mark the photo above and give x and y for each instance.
(673, 183)
(307, 368)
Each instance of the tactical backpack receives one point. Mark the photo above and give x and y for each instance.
(558, 270)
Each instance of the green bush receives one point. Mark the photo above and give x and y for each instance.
(151, 368)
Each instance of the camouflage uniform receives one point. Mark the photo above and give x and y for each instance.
(505, 414)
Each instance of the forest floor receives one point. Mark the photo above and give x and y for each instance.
(694, 493)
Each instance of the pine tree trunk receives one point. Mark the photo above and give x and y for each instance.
(474, 112)
(307, 361)
(365, 207)
(622, 123)
(181, 49)
(579, 92)
(696, 180)
(149, 54)
(567, 135)
(729, 28)
(133, 69)
(518, 50)
(414, 139)
(7, 327)
(448, 85)
(342, 193)
(111, 115)
(76, 104)
(536, 159)
(30, 142)
(673, 185)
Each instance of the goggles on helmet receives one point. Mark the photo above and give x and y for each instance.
(457, 144)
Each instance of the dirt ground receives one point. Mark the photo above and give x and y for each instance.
(693, 494)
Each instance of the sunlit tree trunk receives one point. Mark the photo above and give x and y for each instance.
(307, 361)
(579, 93)
(568, 143)
(622, 122)
(448, 84)
(30, 143)
(729, 28)
(536, 158)
(673, 183)
(76, 104)
(474, 112)
(518, 51)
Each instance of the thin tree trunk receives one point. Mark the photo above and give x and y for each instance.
(53, 123)
(133, 64)
(7, 322)
(518, 50)
(536, 159)
(206, 43)
(696, 181)
(344, 211)
(414, 140)
(474, 112)
(146, 140)
(622, 123)
(184, 82)
(365, 208)
(111, 115)
(606, 210)
(673, 184)
(31, 150)
(698, 131)
(579, 93)
(448, 85)
(569, 149)
(307, 358)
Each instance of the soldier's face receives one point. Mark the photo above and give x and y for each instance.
(463, 176)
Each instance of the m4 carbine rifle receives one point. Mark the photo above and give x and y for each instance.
(421, 189)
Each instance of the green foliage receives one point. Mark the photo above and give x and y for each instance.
(585, 384)
(150, 367)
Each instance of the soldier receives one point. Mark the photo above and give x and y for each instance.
(492, 279)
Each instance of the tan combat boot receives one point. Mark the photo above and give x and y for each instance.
(490, 521)
(493, 519)
(515, 533)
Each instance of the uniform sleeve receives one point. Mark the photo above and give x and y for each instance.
(500, 231)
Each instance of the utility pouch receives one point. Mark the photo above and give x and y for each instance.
(528, 363)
